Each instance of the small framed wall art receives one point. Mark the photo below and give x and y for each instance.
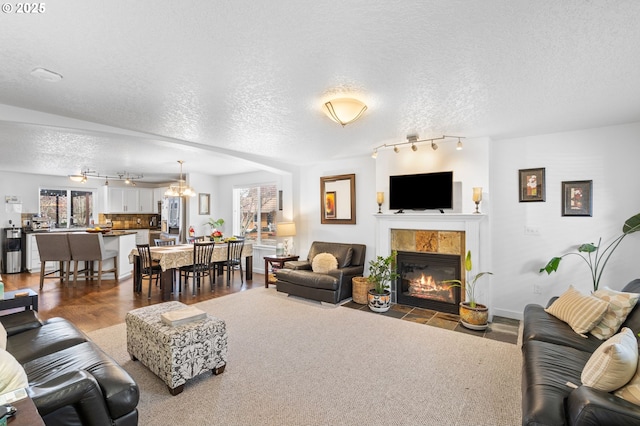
(203, 203)
(531, 184)
(577, 198)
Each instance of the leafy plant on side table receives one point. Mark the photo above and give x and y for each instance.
(381, 271)
(473, 315)
(597, 257)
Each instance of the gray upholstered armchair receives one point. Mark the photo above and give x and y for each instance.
(298, 278)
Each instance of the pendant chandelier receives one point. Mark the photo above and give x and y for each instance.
(180, 188)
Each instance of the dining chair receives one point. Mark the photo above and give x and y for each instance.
(148, 267)
(161, 242)
(201, 267)
(234, 259)
(54, 248)
(86, 247)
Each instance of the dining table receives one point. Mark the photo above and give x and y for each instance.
(173, 257)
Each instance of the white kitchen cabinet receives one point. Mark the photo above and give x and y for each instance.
(142, 236)
(130, 200)
(145, 200)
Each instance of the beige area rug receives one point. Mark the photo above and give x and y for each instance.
(295, 362)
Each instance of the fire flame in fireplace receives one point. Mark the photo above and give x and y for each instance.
(428, 288)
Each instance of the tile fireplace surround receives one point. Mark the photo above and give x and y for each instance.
(448, 233)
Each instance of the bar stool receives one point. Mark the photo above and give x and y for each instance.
(87, 247)
(54, 248)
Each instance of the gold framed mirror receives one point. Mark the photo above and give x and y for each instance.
(338, 199)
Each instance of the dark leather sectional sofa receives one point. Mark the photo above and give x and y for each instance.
(553, 354)
(71, 380)
(298, 279)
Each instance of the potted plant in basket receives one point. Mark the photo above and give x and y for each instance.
(381, 272)
(473, 315)
(216, 234)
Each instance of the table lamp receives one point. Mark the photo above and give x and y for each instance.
(286, 230)
(477, 197)
(380, 199)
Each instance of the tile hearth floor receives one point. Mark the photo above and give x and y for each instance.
(501, 329)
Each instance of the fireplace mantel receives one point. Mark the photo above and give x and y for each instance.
(471, 224)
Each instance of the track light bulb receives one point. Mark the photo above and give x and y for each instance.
(375, 154)
(414, 148)
(459, 145)
(396, 149)
(434, 146)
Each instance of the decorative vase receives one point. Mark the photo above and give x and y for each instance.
(474, 318)
(379, 302)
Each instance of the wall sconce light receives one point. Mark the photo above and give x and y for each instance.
(380, 200)
(344, 110)
(477, 197)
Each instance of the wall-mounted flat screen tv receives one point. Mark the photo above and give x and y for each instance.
(424, 191)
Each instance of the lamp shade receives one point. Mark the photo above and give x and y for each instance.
(286, 229)
(477, 194)
(344, 110)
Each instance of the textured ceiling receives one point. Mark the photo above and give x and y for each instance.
(241, 84)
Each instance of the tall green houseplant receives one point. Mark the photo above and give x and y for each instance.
(381, 271)
(470, 287)
(596, 256)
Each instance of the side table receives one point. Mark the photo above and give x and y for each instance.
(276, 262)
(29, 301)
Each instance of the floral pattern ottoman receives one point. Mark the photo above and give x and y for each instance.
(176, 353)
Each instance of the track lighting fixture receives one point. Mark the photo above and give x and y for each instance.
(414, 141)
(87, 173)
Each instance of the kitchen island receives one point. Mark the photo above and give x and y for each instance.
(121, 241)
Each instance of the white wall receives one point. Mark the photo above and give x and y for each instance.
(202, 184)
(307, 218)
(609, 157)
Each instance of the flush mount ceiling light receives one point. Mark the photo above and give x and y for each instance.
(413, 141)
(46, 75)
(344, 110)
(128, 178)
(180, 188)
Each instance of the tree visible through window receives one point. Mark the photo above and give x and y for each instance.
(257, 206)
(54, 204)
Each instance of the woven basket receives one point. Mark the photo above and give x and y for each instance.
(361, 287)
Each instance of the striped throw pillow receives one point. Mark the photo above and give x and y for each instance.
(613, 364)
(620, 304)
(631, 391)
(581, 312)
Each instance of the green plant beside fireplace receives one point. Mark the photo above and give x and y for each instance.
(381, 271)
(470, 287)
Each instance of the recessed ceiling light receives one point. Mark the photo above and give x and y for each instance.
(46, 75)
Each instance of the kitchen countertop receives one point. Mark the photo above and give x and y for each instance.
(113, 233)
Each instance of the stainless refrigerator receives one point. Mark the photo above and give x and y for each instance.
(175, 217)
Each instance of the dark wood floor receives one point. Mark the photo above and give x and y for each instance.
(91, 308)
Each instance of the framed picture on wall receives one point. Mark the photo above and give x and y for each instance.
(203, 203)
(577, 198)
(531, 184)
(338, 199)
